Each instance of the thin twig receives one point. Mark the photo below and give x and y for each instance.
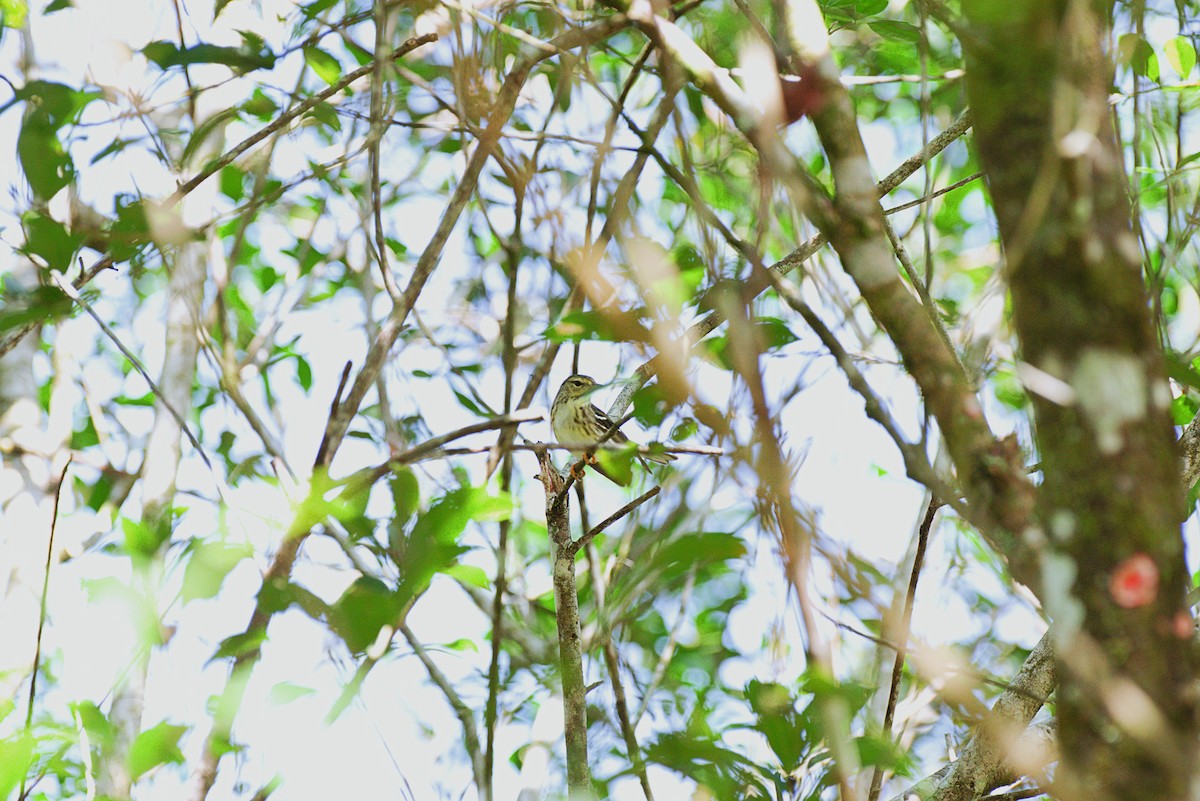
(664, 659)
(74, 295)
(429, 446)
(323, 449)
(231, 155)
(37, 650)
(916, 463)
(614, 517)
(611, 659)
(902, 646)
(935, 194)
(375, 139)
(756, 286)
(509, 358)
(464, 713)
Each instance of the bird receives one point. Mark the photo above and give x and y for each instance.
(576, 421)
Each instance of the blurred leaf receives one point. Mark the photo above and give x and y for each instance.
(144, 539)
(868, 8)
(311, 10)
(1181, 55)
(130, 232)
(610, 325)
(896, 30)
(99, 728)
(1136, 53)
(777, 720)
(48, 107)
(243, 59)
(773, 332)
(432, 547)
(211, 127)
(207, 567)
(469, 575)
(324, 65)
(1183, 410)
(85, 437)
(42, 304)
(240, 644)
(617, 463)
(406, 493)
(285, 693)
(261, 106)
(1186, 373)
(684, 430)
(114, 147)
(16, 760)
(14, 14)
(725, 773)
(364, 608)
(154, 747)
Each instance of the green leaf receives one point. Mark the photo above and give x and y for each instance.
(210, 127)
(773, 332)
(1186, 373)
(684, 430)
(13, 14)
(154, 747)
(85, 437)
(324, 65)
(1181, 55)
(869, 8)
(144, 539)
(16, 759)
(364, 608)
(406, 494)
(130, 232)
(48, 238)
(48, 107)
(285, 693)
(1136, 53)
(778, 722)
(311, 10)
(617, 463)
(99, 728)
(1183, 410)
(242, 59)
(43, 303)
(208, 566)
(610, 325)
(114, 147)
(261, 106)
(325, 115)
(245, 643)
(432, 547)
(896, 30)
(469, 575)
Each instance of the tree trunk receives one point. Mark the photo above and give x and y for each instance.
(1113, 574)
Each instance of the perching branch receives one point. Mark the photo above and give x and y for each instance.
(566, 606)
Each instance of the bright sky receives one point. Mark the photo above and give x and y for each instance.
(400, 732)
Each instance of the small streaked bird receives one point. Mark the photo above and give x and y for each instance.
(576, 421)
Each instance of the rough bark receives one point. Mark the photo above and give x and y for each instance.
(1110, 501)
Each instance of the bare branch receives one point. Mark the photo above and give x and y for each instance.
(614, 517)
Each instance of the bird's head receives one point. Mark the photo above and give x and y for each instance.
(577, 386)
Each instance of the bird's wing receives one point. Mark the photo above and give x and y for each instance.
(618, 438)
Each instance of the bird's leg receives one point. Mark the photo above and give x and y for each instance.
(577, 469)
